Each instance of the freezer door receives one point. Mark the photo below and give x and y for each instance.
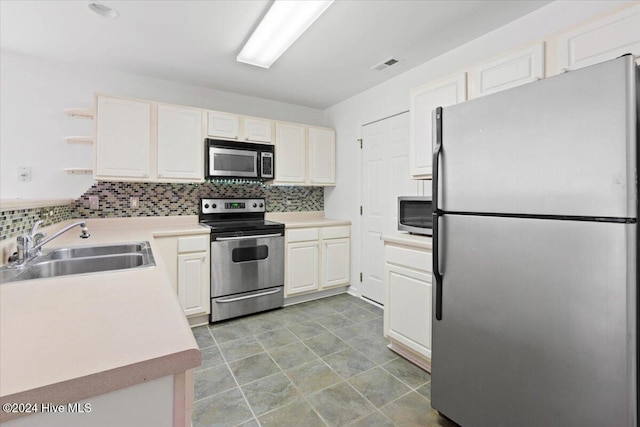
(565, 145)
(538, 323)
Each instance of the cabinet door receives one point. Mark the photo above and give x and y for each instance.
(290, 153)
(335, 262)
(601, 40)
(424, 100)
(257, 130)
(123, 138)
(193, 283)
(302, 262)
(222, 125)
(508, 71)
(408, 307)
(180, 143)
(322, 156)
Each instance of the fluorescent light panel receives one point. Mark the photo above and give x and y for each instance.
(285, 21)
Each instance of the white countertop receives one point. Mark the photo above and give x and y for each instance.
(404, 238)
(69, 338)
(305, 219)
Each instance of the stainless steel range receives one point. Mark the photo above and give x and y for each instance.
(247, 257)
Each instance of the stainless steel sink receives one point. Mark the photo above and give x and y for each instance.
(67, 267)
(93, 251)
(81, 260)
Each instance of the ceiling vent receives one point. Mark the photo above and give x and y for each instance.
(385, 64)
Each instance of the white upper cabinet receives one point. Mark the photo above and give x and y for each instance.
(223, 125)
(423, 100)
(180, 143)
(305, 155)
(257, 130)
(523, 66)
(601, 40)
(145, 141)
(322, 156)
(290, 153)
(123, 136)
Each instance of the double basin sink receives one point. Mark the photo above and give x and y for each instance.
(81, 260)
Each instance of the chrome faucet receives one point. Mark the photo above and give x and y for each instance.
(30, 244)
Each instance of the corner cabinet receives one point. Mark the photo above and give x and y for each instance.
(316, 259)
(186, 259)
(146, 141)
(305, 155)
(423, 100)
(322, 156)
(407, 302)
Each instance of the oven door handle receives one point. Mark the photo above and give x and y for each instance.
(259, 236)
(262, 294)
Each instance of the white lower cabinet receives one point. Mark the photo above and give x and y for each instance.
(303, 259)
(186, 259)
(192, 272)
(407, 305)
(316, 259)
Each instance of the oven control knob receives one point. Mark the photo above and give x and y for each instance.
(214, 206)
(206, 205)
(255, 205)
(261, 205)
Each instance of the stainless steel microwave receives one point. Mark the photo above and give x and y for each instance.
(232, 159)
(415, 215)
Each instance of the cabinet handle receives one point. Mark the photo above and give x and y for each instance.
(437, 213)
(262, 294)
(258, 236)
(255, 140)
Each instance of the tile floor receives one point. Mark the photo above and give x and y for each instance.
(321, 363)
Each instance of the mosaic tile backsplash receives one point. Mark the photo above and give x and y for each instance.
(159, 199)
(168, 199)
(19, 221)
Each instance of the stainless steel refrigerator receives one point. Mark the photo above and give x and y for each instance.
(536, 253)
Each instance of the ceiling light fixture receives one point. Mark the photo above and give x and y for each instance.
(285, 21)
(104, 11)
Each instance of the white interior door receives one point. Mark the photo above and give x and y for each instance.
(385, 176)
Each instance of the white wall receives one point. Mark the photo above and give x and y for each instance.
(35, 92)
(392, 97)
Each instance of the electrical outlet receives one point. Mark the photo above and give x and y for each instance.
(24, 174)
(134, 203)
(94, 202)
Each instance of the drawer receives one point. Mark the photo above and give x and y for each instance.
(335, 232)
(194, 244)
(302, 234)
(408, 257)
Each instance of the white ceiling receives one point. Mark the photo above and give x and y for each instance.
(196, 42)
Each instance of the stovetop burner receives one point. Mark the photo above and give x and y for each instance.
(236, 216)
(241, 225)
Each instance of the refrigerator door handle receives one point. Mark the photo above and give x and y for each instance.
(437, 213)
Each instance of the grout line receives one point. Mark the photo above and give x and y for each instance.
(235, 379)
(315, 319)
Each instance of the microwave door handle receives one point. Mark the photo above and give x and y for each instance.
(437, 213)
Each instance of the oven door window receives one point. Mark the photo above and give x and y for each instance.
(252, 253)
(416, 214)
(229, 162)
